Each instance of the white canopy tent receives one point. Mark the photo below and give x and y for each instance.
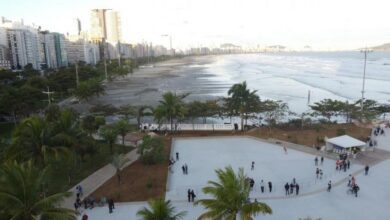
(344, 144)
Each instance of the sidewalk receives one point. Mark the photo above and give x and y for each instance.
(95, 180)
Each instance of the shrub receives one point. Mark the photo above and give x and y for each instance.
(151, 150)
(341, 131)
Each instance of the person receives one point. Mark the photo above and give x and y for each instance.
(348, 164)
(293, 181)
(317, 172)
(110, 205)
(321, 174)
(322, 160)
(189, 195)
(183, 169)
(355, 189)
(345, 166)
(253, 165)
(251, 183)
(329, 186)
(262, 186)
(316, 161)
(297, 188)
(366, 170)
(353, 181)
(349, 180)
(186, 168)
(270, 186)
(286, 187)
(291, 188)
(285, 149)
(76, 207)
(192, 195)
(85, 217)
(177, 155)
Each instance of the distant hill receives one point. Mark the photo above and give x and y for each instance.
(383, 47)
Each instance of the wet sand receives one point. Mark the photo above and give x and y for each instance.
(146, 84)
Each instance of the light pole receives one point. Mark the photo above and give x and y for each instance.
(365, 51)
(48, 93)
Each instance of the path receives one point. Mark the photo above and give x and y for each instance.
(97, 179)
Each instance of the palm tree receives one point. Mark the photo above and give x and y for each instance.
(170, 108)
(109, 135)
(118, 161)
(231, 198)
(122, 127)
(161, 210)
(67, 128)
(32, 139)
(242, 100)
(21, 195)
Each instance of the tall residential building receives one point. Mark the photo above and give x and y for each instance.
(4, 54)
(60, 48)
(78, 49)
(47, 51)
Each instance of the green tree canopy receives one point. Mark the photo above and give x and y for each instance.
(161, 210)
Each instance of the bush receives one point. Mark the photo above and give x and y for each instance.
(320, 139)
(341, 131)
(151, 150)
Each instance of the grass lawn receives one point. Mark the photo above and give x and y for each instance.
(81, 169)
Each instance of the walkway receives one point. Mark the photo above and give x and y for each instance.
(97, 179)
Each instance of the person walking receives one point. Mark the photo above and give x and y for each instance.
(183, 169)
(286, 187)
(317, 172)
(329, 186)
(321, 174)
(85, 217)
(189, 195)
(177, 155)
(186, 169)
(322, 160)
(253, 165)
(285, 149)
(270, 186)
(349, 180)
(366, 170)
(262, 186)
(348, 164)
(316, 161)
(291, 188)
(297, 188)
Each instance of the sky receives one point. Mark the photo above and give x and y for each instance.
(321, 24)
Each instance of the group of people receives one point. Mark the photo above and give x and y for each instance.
(262, 185)
(316, 161)
(191, 195)
(353, 187)
(379, 131)
(319, 173)
(289, 188)
(90, 202)
(343, 164)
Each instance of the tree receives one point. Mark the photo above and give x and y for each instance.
(328, 108)
(274, 111)
(122, 127)
(242, 101)
(21, 195)
(89, 89)
(161, 210)
(151, 150)
(230, 197)
(32, 140)
(118, 161)
(109, 135)
(91, 124)
(170, 108)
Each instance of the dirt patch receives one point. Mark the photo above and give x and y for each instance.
(139, 182)
(310, 136)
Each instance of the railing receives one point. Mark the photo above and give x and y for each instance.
(191, 127)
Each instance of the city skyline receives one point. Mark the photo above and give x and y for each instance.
(323, 25)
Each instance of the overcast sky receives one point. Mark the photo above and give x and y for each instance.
(322, 24)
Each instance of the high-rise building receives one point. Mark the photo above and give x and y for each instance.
(78, 48)
(60, 48)
(47, 51)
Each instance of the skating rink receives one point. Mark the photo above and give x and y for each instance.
(204, 155)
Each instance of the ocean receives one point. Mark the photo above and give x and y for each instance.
(290, 77)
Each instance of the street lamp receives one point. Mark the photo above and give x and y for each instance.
(365, 51)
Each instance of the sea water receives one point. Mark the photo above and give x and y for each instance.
(290, 77)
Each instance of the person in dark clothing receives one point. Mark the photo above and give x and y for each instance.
(348, 164)
(262, 186)
(270, 186)
(322, 160)
(177, 155)
(355, 190)
(316, 161)
(345, 166)
(186, 168)
(85, 204)
(297, 188)
(110, 205)
(183, 169)
(366, 170)
(317, 172)
(189, 195)
(251, 183)
(329, 186)
(291, 188)
(253, 165)
(192, 195)
(287, 187)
